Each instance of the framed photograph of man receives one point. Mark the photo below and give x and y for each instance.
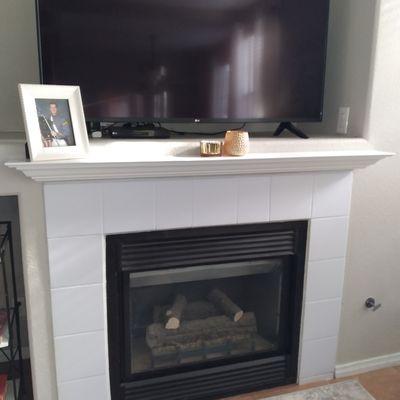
(54, 121)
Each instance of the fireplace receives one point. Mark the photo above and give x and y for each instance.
(87, 335)
(205, 312)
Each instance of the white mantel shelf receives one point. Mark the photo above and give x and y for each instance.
(145, 159)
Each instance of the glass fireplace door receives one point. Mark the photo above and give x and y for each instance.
(187, 316)
(204, 313)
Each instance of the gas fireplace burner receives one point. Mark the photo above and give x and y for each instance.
(204, 313)
(204, 333)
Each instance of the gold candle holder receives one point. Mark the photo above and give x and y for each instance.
(210, 148)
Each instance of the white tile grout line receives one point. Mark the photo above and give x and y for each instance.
(313, 195)
(102, 206)
(320, 339)
(78, 334)
(269, 186)
(84, 286)
(77, 235)
(330, 299)
(83, 379)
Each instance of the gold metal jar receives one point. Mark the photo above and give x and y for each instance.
(210, 148)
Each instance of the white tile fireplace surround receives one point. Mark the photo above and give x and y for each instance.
(79, 215)
(81, 208)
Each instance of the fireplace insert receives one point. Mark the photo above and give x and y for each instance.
(204, 313)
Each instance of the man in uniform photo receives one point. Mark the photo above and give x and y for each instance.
(59, 130)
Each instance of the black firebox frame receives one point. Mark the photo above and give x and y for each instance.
(209, 380)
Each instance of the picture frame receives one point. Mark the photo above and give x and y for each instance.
(54, 121)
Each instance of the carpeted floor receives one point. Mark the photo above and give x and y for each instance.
(347, 390)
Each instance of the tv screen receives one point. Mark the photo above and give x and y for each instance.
(188, 60)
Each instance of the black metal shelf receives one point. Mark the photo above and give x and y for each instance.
(11, 347)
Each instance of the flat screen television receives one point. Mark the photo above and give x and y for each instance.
(188, 60)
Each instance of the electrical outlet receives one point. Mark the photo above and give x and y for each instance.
(343, 120)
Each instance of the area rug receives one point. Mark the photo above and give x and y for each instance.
(347, 390)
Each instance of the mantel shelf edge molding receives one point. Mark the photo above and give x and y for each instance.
(174, 166)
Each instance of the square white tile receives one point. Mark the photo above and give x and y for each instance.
(318, 357)
(174, 203)
(94, 388)
(332, 194)
(291, 196)
(325, 279)
(77, 310)
(129, 206)
(80, 356)
(253, 199)
(328, 238)
(321, 319)
(75, 261)
(215, 201)
(73, 209)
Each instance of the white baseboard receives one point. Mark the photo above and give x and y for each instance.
(370, 364)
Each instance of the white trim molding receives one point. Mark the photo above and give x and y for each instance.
(369, 364)
(176, 166)
(111, 159)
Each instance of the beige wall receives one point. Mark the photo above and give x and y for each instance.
(348, 65)
(18, 58)
(373, 266)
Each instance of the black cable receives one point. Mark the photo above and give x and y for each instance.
(202, 133)
(105, 128)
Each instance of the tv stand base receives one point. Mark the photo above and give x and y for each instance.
(291, 128)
